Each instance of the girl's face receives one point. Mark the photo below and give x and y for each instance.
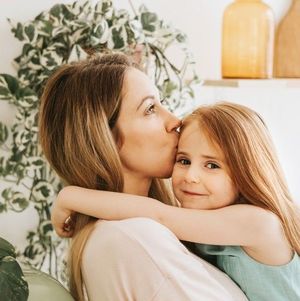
(148, 138)
(200, 178)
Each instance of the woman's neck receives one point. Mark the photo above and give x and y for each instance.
(136, 185)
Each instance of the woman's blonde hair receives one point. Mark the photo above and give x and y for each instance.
(78, 112)
(242, 136)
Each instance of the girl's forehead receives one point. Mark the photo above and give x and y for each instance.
(190, 127)
(193, 133)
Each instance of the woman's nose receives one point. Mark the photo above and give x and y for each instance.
(173, 123)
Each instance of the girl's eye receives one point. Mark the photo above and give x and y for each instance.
(212, 165)
(150, 109)
(184, 161)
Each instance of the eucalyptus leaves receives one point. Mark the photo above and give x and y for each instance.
(63, 34)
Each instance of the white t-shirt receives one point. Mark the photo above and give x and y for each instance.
(139, 259)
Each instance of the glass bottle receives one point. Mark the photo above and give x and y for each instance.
(287, 44)
(247, 40)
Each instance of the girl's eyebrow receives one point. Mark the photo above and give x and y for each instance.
(144, 99)
(182, 153)
(209, 157)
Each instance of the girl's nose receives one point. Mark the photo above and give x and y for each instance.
(193, 175)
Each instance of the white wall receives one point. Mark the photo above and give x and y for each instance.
(201, 20)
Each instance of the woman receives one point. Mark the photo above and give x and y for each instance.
(102, 126)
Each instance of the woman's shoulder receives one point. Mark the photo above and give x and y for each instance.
(130, 225)
(128, 231)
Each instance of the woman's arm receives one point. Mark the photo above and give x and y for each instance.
(244, 225)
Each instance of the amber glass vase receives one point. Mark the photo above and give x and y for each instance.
(287, 44)
(247, 40)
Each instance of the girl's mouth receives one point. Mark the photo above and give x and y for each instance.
(192, 193)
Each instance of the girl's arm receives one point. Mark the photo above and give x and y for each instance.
(243, 225)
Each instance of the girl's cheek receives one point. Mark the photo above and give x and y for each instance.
(176, 178)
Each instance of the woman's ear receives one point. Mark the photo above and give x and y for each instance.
(118, 137)
(241, 199)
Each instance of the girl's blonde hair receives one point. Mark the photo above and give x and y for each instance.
(79, 109)
(243, 137)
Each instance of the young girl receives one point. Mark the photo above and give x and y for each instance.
(234, 202)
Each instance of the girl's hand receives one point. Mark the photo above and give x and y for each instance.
(62, 219)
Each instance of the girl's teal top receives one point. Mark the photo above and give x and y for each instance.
(260, 282)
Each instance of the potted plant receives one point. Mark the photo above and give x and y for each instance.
(62, 34)
(13, 285)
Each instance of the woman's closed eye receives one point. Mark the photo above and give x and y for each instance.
(151, 108)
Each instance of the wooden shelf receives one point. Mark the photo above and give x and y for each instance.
(255, 83)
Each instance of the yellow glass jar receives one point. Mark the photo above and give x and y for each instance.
(247, 40)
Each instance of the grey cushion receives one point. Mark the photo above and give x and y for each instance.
(44, 287)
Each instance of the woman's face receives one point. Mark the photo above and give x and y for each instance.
(147, 130)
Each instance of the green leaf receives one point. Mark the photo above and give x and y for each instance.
(46, 227)
(149, 21)
(26, 48)
(13, 286)
(77, 53)
(181, 38)
(104, 7)
(3, 208)
(29, 31)
(4, 93)
(46, 28)
(20, 201)
(14, 198)
(36, 161)
(137, 31)
(101, 32)
(42, 191)
(9, 82)
(21, 140)
(55, 10)
(7, 193)
(168, 88)
(32, 251)
(3, 133)
(18, 31)
(67, 13)
(7, 169)
(117, 39)
(6, 249)
(27, 98)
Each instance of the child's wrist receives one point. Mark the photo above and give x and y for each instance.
(62, 198)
